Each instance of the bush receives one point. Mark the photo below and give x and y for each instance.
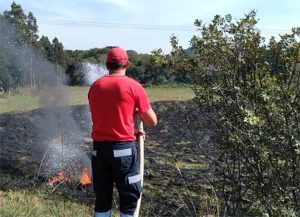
(250, 93)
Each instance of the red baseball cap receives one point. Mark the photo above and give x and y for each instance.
(117, 55)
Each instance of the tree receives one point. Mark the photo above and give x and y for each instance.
(32, 29)
(23, 42)
(10, 75)
(249, 93)
(73, 69)
(57, 57)
(143, 69)
(17, 18)
(46, 47)
(32, 41)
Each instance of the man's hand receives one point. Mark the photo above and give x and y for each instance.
(139, 133)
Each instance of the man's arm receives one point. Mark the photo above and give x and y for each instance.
(149, 117)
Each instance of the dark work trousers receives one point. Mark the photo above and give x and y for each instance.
(116, 162)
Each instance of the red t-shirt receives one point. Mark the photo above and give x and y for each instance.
(113, 100)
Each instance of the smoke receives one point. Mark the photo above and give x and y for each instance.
(60, 138)
(92, 72)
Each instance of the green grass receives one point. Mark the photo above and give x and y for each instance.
(29, 100)
(25, 203)
(18, 102)
(169, 93)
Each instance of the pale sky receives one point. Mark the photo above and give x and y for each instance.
(145, 25)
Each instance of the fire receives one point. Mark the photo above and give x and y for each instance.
(85, 178)
(61, 176)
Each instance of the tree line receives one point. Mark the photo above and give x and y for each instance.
(25, 56)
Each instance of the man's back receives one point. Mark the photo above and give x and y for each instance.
(113, 100)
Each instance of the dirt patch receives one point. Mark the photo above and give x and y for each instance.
(178, 154)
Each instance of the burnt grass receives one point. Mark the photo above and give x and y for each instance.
(178, 156)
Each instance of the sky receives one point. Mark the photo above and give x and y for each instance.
(146, 25)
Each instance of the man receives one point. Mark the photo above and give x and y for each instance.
(113, 100)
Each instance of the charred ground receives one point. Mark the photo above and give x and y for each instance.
(178, 154)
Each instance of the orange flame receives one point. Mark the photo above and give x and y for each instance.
(59, 177)
(85, 178)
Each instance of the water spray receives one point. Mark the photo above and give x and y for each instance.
(92, 72)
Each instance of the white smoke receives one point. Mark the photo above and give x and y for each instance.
(92, 72)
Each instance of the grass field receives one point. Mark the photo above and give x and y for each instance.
(28, 100)
(25, 203)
